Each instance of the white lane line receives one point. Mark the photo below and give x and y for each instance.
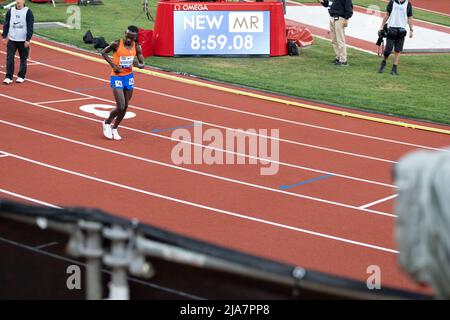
(71, 261)
(248, 184)
(28, 199)
(208, 208)
(365, 206)
(215, 125)
(3, 155)
(65, 100)
(347, 45)
(246, 112)
(194, 171)
(207, 147)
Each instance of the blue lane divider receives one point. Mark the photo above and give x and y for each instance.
(306, 181)
(195, 124)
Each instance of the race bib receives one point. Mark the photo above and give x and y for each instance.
(126, 61)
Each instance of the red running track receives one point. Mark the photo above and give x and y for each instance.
(52, 151)
(440, 6)
(436, 6)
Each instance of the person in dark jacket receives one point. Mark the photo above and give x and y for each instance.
(17, 33)
(340, 12)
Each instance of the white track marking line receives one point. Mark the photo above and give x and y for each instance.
(3, 155)
(29, 199)
(207, 147)
(208, 208)
(365, 206)
(248, 184)
(65, 259)
(65, 100)
(215, 125)
(295, 166)
(257, 114)
(245, 112)
(347, 45)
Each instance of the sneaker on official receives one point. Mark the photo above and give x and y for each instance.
(336, 60)
(20, 80)
(342, 63)
(382, 66)
(116, 135)
(7, 81)
(107, 131)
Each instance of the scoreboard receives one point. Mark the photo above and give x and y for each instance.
(219, 28)
(221, 32)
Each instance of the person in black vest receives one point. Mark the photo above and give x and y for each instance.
(17, 33)
(340, 12)
(398, 16)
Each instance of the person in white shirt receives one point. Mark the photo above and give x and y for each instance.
(17, 33)
(398, 16)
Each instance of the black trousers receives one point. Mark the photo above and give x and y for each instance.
(12, 47)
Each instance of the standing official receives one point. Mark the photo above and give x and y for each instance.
(340, 12)
(17, 33)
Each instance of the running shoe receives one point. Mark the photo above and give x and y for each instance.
(107, 131)
(116, 135)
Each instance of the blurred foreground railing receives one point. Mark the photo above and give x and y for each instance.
(127, 247)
